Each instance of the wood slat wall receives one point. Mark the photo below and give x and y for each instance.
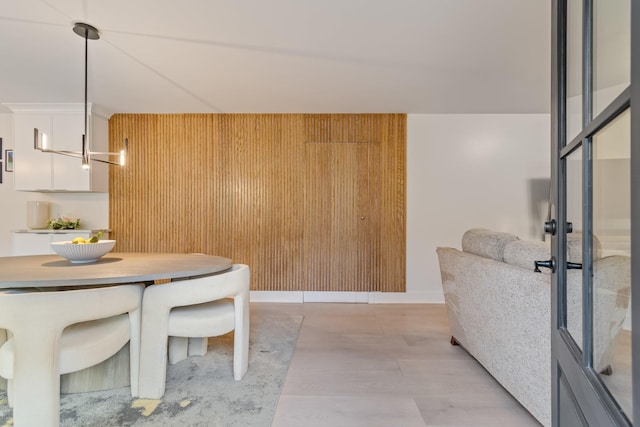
(309, 201)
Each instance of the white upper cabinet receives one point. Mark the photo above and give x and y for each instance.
(63, 125)
(65, 136)
(34, 169)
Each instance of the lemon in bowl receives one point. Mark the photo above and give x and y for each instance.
(83, 252)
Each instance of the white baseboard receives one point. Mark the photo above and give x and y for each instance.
(352, 297)
(277, 296)
(348, 297)
(406, 298)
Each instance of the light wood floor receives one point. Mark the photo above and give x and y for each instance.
(386, 365)
(619, 383)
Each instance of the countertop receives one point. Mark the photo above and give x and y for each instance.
(61, 231)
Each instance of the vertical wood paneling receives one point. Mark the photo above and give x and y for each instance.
(309, 201)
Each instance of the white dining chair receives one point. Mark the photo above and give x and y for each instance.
(56, 332)
(194, 310)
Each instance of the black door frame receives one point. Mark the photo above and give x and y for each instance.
(635, 205)
(579, 382)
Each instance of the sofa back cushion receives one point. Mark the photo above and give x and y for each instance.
(507, 247)
(486, 243)
(522, 253)
(574, 247)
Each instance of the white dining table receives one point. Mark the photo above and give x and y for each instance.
(53, 271)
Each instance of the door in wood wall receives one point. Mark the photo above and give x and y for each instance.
(340, 239)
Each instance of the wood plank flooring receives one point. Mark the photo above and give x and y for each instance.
(386, 365)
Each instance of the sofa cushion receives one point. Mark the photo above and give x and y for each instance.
(486, 243)
(574, 247)
(522, 253)
(507, 247)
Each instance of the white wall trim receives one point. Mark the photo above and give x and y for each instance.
(348, 297)
(276, 296)
(352, 297)
(406, 298)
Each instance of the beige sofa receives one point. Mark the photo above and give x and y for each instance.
(499, 309)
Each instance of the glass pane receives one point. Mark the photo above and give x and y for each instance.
(574, 245)
(612, 258)
(574, 68)
(611, 50)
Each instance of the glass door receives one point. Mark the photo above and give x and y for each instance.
(595, 187)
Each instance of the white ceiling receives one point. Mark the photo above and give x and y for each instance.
(215, 56)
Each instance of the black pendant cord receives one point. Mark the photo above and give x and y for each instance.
(86, 43)
(87, 32)
(86, 60)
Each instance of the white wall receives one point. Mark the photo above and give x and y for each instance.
(466, 171)
(91, 208)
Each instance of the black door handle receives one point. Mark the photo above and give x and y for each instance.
(550, 227)
(552, 265)
(574, 266)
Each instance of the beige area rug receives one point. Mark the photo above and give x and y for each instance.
(200, 390)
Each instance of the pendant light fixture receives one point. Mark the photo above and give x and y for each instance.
(87, 32)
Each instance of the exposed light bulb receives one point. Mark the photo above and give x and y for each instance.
(85, 154)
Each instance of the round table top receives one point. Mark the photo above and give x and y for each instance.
(52, 270)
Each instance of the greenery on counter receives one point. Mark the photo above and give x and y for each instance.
(63, 223)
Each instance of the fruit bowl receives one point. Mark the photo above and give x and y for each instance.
(82, 253)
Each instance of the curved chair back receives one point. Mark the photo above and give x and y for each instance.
(199, 290)
(36, 321)
(60, 309)
(197, 301)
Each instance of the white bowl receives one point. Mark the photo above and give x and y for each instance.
(80, 253)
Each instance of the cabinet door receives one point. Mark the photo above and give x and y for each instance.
(99, 173)
(37, 171)
(67, 171)
(40, 243)
(32, 168)
(31, 244)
